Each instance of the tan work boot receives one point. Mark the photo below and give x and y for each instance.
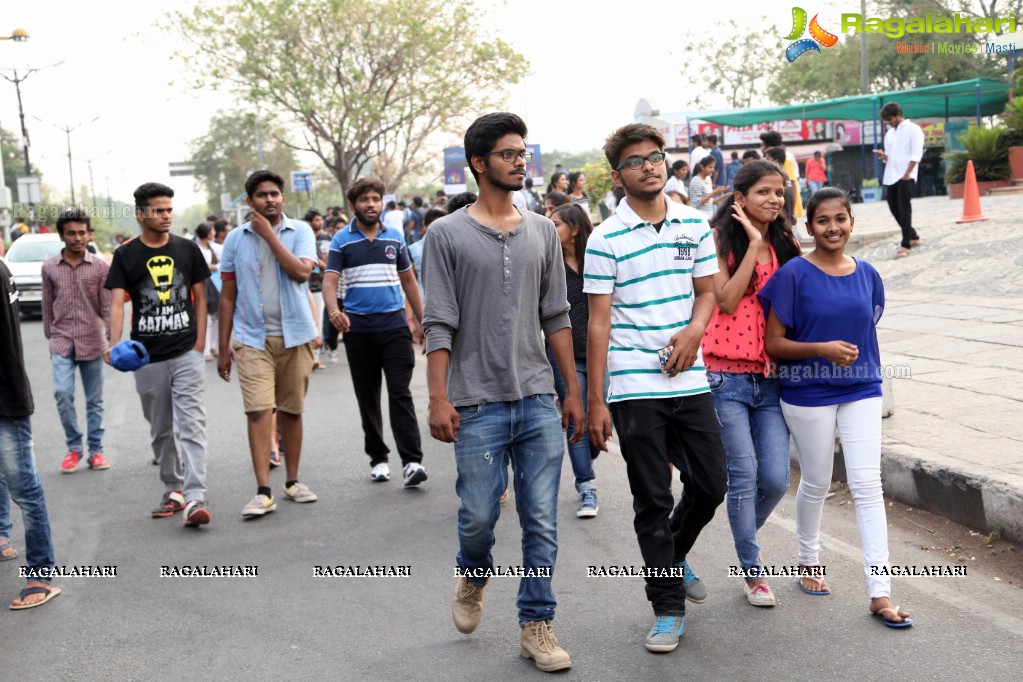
(538, 643)
(467, 605)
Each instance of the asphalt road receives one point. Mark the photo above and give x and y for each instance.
(287, 623)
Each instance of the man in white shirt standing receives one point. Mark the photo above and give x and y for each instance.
(903, 149)
(698, 152)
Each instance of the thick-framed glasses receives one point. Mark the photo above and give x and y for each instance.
(634, 162)
(509, 155)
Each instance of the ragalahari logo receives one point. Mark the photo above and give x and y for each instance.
(801, 47)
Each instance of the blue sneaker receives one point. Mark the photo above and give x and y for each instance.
(696, 592)
(588, 506)
(665, 634)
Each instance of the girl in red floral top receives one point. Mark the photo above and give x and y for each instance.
(753, 241)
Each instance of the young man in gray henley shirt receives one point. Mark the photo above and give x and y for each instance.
(497, 285)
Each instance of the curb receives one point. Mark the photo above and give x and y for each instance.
(921, 479)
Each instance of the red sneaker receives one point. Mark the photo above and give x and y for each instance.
(196, 514)
(70, 462)
(98, 462)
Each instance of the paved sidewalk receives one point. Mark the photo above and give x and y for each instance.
(952, 334)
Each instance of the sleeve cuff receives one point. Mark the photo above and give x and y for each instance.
(556, 324)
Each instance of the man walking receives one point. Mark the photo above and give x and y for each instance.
(165, 277)
(497, 285)
(267, 327)
(76, 312)
(649, 273)
(903, 149)
(375, 264)
(17, 461)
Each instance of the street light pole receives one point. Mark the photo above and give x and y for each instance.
(68, 129)
(20, 35)
(17, 80)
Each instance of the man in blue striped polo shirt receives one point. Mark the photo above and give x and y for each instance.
(376, 266)
(649, 271)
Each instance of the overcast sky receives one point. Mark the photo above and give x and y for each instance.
(586, 70)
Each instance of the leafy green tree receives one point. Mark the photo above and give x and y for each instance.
(570, 161)
(14, 161)
(363, 78)
(228, 153)
(729, 71)
(835, 72)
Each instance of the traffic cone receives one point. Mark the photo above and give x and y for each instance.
(971, 198)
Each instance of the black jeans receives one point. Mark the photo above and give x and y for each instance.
(899, 196)
(330, 332)
(391, 351)
(683, 431)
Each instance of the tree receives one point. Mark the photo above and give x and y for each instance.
(570, 161)
(228, 153)
(835, 72)
(14, 161)
(363, 78)
(730, 69)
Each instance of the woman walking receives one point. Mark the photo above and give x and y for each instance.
(753, 242)
(824, 309)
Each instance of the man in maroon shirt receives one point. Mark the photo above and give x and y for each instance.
(76, 313)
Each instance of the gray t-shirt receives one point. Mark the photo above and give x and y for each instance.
(269, 287)
(492, 300)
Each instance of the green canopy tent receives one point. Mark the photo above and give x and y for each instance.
(975, 97)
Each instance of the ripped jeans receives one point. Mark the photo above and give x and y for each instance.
(527, 434)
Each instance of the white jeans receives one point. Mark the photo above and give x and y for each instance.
(212, 335)
(859, 428)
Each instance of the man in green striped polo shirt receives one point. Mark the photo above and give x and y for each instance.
(648, 273)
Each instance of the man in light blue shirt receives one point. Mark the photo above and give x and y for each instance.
(265, 270)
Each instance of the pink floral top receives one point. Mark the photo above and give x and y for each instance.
(735, 343)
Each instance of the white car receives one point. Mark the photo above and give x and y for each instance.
(25, 261)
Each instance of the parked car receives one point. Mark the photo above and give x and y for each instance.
(25, 260)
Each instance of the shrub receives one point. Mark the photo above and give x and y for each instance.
(987, 148)
(1013, 117)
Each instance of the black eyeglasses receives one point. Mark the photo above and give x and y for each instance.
(509, 155)
(634, 162)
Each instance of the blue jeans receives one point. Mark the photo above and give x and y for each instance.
(526, 434)
(5, 510)
(756, 442)
(64, 392)
(815, 185)
(18, 472)
(583, 453)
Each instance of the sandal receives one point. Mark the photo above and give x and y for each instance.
(6, 546)
(903, 252)
(904, 623)
(50, 593)
(817, 586)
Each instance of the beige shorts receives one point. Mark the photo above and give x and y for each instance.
(274, 377)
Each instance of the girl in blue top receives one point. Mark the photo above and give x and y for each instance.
(824, 309)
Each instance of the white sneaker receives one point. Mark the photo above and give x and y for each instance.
(300, 492)
(380, 472)
(259, 505)
(414, 474)
(333, 357)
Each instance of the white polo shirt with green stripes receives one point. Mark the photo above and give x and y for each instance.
(649, 275)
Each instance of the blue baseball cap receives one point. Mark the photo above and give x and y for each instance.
(128, 356)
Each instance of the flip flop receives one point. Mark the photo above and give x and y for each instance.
(819, 582)
(903, 252)
(904, 623)
(6, 545)
(50, 593)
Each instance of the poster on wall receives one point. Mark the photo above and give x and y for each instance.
(454, 170)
